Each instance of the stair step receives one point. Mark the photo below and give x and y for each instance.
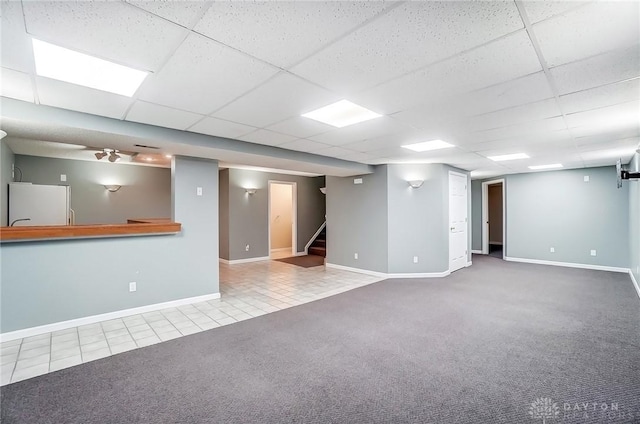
(318, 251)
(319, 243)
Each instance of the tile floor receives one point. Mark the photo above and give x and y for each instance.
(247, 291)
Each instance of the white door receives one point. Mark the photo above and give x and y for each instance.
(457, 221)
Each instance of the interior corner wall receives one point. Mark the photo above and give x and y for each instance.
(357, 221)
(559, 209)
(634, 219)
(249, 214)
(6, 161)
(145, 192)
(223, 214)
(417, 218)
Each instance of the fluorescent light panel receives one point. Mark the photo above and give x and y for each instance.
(513, 156)
(342, 114)
(428, 145)
(77, 68)
(549, 166)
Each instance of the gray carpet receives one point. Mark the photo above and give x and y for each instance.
(306, 261)
(477, 347)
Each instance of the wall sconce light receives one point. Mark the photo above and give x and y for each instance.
(112, 188)
(323, 190)
(416, 183)
(101, 154)
(2, 134)
(251, 191)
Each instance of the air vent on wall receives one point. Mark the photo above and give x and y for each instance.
(146, 147)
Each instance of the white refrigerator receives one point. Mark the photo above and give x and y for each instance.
(37, 204)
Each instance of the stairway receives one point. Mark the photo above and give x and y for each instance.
(319, 245)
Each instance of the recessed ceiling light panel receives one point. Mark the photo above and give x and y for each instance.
(549, 166)
(342, 114)
(78, 68)
(513, 156)
(428, 145)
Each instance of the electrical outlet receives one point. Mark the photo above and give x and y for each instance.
(586, 178)
(133, 286)
(357, 180)
(593, 252)
(63, 177)
(246, 248)
(552, 249)
(355, 256)
(199, 191)
(415, 259)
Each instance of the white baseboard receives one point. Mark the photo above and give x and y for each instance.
(469, 263)
(63, 325)
(390, 275)
(244, 261)
(281, 249)
(635, 282)
(568, 264)
(477, 252)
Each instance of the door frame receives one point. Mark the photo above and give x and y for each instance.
(485, 216)
(467, 185)
(294, 214)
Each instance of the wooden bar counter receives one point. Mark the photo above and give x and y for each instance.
(134, 227)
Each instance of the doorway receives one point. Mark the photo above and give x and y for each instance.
(493, 218)
(282, 219)
(458, 239)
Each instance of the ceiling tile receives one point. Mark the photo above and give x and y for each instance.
(221, 128)
(408, 37)
(605, 139)
(185, 13)
(107, 29)
(512, 116)
(279, 98)
(300, 126)
(529, 129)
(149, 113)
(74, 97)
(395, 139)
(618, 149)
(502, 60)
(203, 75)
(616, 117)
(270, 138)
(598, 70)
(15, 45)
(303, 145)
(283, 33)
(606, 95)
(540, 10)
(336, 152)
(548, 138)
(373, 128)
(596, 28)
(16, 85)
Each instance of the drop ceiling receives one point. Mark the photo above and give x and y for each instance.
(557, 80)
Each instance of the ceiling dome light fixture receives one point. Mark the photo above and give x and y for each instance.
(114, 156)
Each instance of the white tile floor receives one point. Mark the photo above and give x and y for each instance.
(247, 290)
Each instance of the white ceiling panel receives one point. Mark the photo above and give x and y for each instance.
(526, 130)
(336, 152)
(185, 13)
(502, 60)
(408, 37)
(283, 33)
(614, 150)
(280, 98)
(270, 138)
(409, 136)
(221, 128)
(15, 45)
(203, 75)
(540, 10)
(587, 31)
(606, 95)
(74, 97)
(599, 70)
(107, 29)
(162, 116)
(16, 85)
(606, 139)
(610, 118)
(303, 145)
(368, 129)
(300, 126)
(513, 116)
(545, 140)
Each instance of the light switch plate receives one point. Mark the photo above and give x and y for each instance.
(552, 249)
(133, 286)
(63, 177)
(593, 252)
(357, 180)
(199, 191)
(586, 178)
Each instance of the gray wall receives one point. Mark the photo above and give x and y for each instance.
(357, 221)
(476, 215)
(145, 192)
(51, 281)
(249, 214)
(558, 209)
(634, 219)
(6, 160)
(223, 226)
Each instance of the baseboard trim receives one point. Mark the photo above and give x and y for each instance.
(635, 282)
(281, 249)
(568, 264)
(469, 263)
(244, 261)
(390, 275)
(477, 252)
(63, 325)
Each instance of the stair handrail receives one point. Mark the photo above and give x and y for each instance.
(313, 237)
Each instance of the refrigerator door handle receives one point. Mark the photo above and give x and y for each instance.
(72, 217)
